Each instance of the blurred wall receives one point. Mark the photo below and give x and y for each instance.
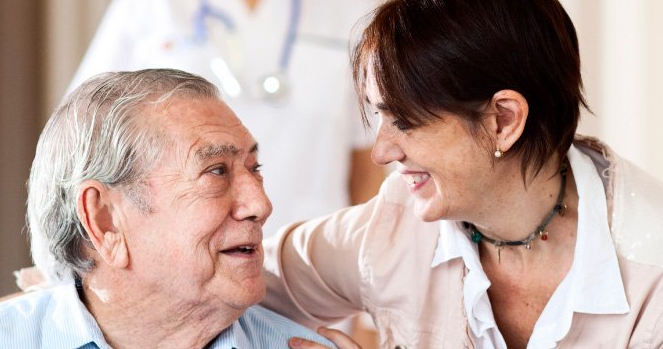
(70, 26)
(622, 54)
(19, 114)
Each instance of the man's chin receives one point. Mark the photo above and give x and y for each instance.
(253, 291)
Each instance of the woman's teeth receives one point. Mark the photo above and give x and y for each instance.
(414, 179)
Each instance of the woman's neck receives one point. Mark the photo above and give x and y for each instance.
(518, 209)
(522, 281)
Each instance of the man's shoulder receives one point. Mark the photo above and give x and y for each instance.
(50, 318)
(22, 318)
(266, 328)
(27, 305)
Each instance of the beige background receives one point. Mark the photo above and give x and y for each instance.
(43, 41)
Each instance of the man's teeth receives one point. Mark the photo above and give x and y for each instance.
(414, 179)
(241, 249)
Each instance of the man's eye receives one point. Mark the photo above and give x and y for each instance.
(400, 125)
(219, 171)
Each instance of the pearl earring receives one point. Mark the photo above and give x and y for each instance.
(498, 153)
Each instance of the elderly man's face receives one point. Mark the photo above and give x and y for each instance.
(201, 241)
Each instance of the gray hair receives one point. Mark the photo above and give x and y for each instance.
(102, 132)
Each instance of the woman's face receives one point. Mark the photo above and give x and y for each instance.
(446, 169)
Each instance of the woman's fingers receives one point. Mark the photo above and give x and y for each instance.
(301, 343)
(342, 340)
(339, 338)
(30, 278)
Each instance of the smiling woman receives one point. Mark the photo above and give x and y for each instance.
(502, 227)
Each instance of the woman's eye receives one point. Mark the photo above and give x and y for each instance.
(219, 171)
(256, 168)
(400, 125)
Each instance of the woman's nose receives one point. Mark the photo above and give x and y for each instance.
(386, 148)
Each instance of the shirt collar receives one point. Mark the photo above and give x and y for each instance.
(75, 326)
(233, 337)
(72, 322)
(597, 284)
(593, 284)
(476, 302)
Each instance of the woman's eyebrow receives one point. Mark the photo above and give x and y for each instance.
(380, 106)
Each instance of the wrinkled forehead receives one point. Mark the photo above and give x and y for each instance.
(203, 126)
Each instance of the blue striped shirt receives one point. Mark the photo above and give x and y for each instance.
(56, 318)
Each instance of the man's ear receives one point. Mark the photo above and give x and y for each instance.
(509, 111)
(94, 208)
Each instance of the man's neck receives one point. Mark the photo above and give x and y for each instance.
(130, 318)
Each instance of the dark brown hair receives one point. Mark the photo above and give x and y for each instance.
(453, 55)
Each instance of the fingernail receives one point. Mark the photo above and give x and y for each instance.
(295, 342)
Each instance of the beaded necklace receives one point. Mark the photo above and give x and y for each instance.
(540, 231)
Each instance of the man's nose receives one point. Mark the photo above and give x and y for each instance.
(386, 149)
(250, 201)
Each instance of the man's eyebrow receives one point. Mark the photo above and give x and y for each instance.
(215, 150)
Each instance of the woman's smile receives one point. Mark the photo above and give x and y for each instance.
(415, 180)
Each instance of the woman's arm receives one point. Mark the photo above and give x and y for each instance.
(313, 269)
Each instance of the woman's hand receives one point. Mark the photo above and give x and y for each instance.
(342, 340)
(30, 279)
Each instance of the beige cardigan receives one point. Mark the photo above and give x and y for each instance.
(376, 257)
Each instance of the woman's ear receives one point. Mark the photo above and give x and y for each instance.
(510, 111)
(94, 208)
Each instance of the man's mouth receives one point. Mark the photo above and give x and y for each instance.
(243, 249)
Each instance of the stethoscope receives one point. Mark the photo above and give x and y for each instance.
(274, 86)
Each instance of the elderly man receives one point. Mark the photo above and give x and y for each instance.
(146, 198)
